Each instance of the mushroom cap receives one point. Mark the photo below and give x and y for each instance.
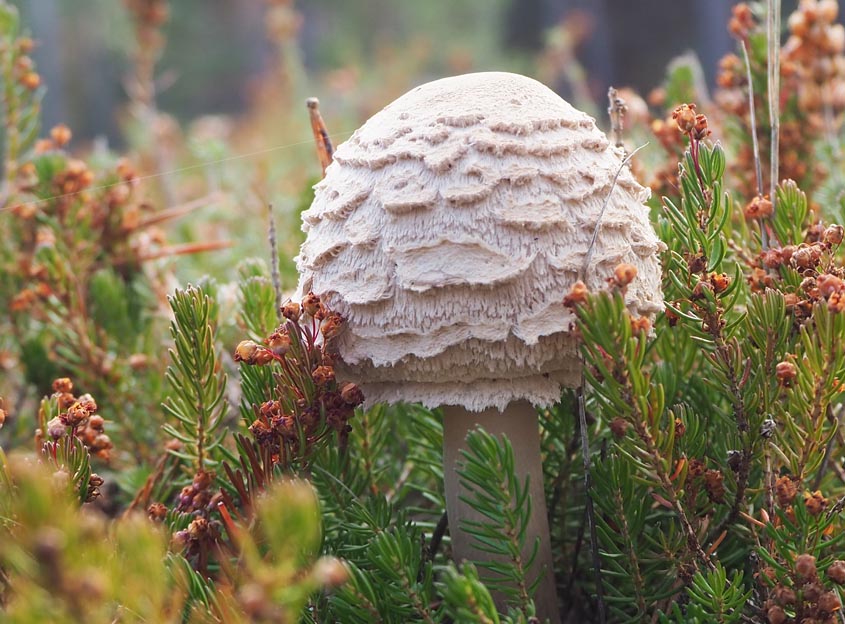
(448, 230)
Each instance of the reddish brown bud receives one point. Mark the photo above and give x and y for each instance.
(696, 468)
(742, 21)
(351, 394)
(157, 512)
(785, 372)
(577, 295)
(805, 566)
(836, 572)
(30, 80)
(829, 284)
(773, 258)
(829, 602)
(697, 263)
(63, 385)
(784, 595)
(619, 427)
(624, 274)
(776, 615)
(812, 592)
(61, 135)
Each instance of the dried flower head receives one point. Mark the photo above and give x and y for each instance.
(684, 116)
(700, 130)
(157, 512)
(311, 304)
(829, 284)
(322, 375)
(715, 486)
(815, 502)
(351, 394)
(291, 311)
(742, 21)
(786, 489)
(720, 282)
(332, 325)
(833, 235)
(252, 353)
(278, 341)
(758, 208)
(829, 602)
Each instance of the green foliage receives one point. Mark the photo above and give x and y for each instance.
(197, 380)
(790, 220)
(467, 598)
(61, 565)
(257, 299)
(56, 559)
(712, 598)
(488, 475)
(684, 79)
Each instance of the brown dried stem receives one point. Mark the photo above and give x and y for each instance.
(325, 150)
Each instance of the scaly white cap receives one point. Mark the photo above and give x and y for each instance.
(448, 230)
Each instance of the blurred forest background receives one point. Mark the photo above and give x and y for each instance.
(228, 78)
(217, 49)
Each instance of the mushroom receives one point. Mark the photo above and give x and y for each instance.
(447, 232)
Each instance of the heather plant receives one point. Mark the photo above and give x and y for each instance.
(222, 473)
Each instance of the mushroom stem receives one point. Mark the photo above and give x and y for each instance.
(519, 422)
